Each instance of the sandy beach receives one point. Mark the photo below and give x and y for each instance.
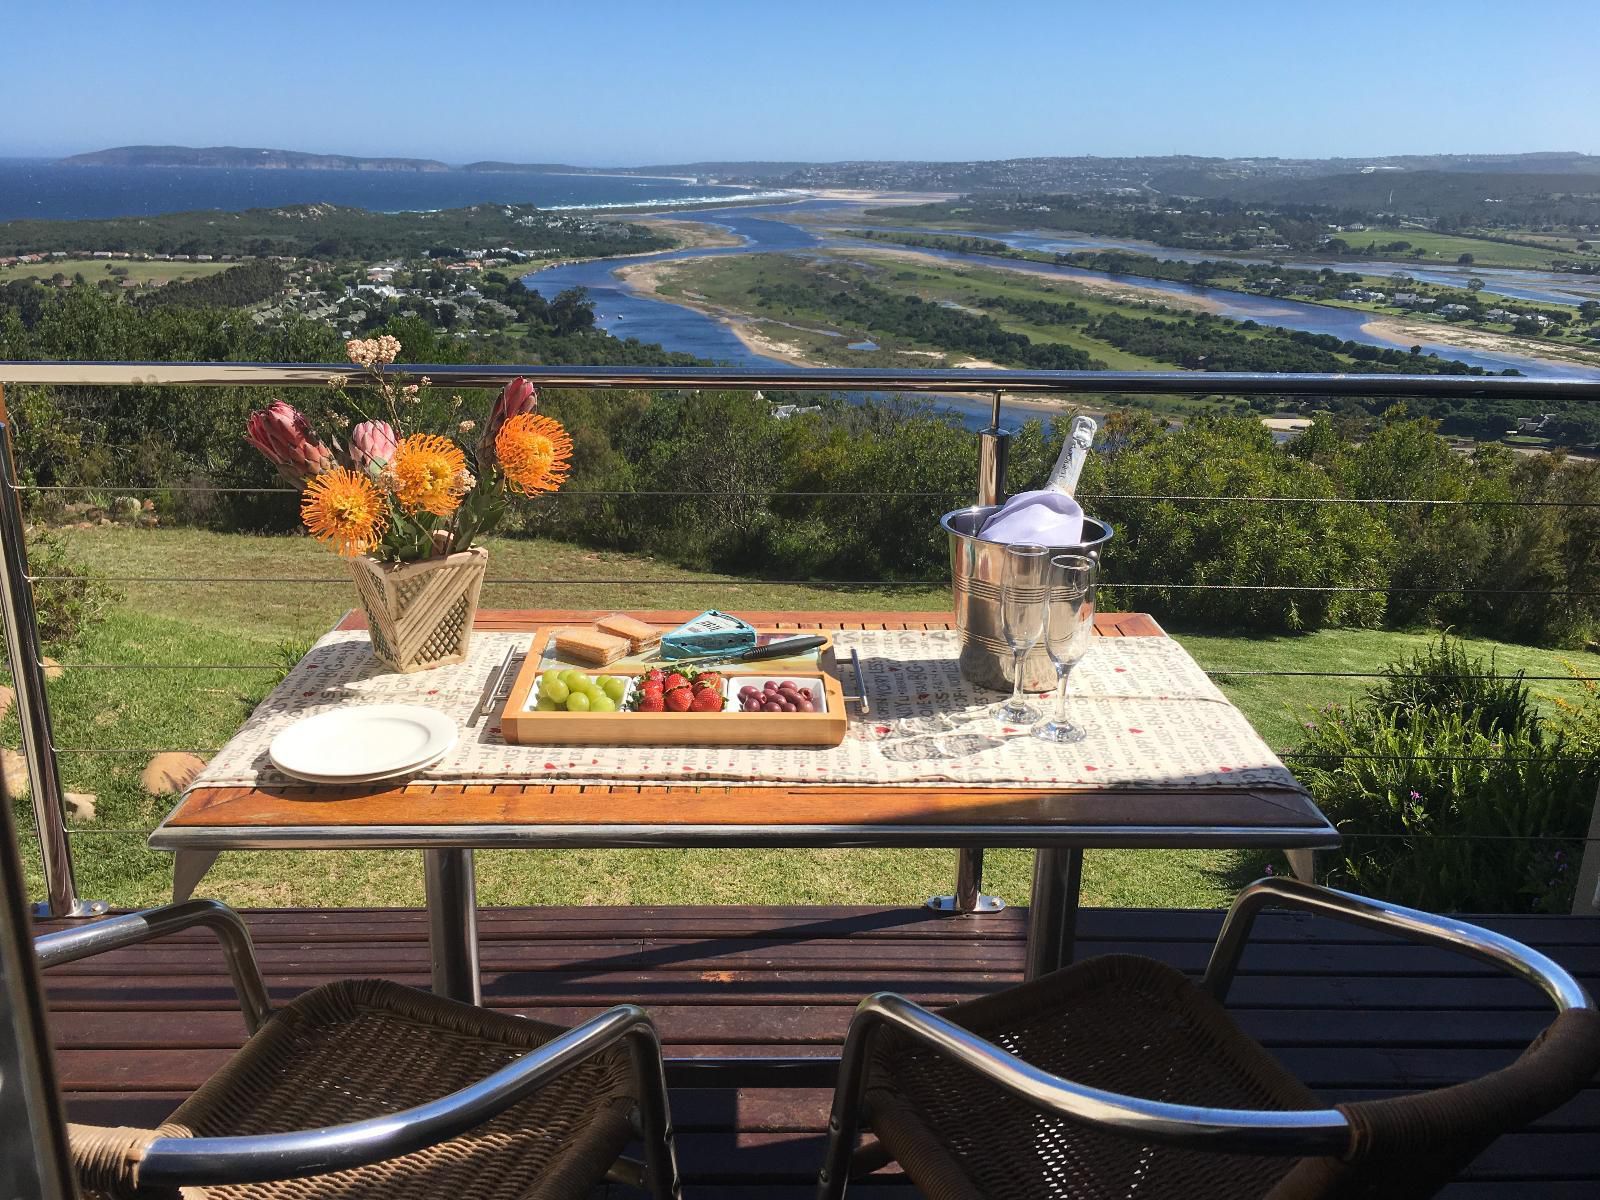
(1398, 331)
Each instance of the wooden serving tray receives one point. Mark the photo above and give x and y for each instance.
(522, 724)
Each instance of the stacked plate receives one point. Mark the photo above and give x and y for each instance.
(366, 744)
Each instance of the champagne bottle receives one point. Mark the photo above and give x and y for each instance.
(1074, 453)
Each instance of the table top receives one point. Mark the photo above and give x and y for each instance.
(532, 815)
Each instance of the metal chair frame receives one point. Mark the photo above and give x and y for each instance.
(1242, 1131)
(199, 1162)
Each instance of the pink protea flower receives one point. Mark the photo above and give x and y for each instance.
(282, 433)
(372, 445)
(519, 397)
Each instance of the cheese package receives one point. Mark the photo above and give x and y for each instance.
(711, 632)
(589, 646)
(641, 636)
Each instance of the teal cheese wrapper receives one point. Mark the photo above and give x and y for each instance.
(712, 632)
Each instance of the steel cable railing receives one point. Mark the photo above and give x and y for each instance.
(40, 744)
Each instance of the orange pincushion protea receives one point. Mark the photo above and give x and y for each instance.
(429, 474)
(345, 510)
(534, 452)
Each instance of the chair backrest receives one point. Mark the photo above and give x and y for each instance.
(1413, 1145)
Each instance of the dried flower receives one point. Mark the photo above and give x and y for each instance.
(373, 352)
(345, 510)
(467, 426)
(282, 433)
(372, 445)
(430, 474)
(534, 452)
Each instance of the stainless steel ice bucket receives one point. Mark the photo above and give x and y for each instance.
(976, 567)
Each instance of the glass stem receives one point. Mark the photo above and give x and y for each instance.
(1017, 698)
(1061, 694)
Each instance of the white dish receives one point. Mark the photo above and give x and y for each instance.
(363, 743)
(731, 686)
(384, 777)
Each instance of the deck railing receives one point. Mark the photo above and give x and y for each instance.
(25, 653)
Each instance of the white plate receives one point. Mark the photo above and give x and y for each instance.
(363, 743)
(382, 777)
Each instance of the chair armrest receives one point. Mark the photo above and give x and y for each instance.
(113, 933)
(170, 1162)
(1472, 940)
(1315, 1131)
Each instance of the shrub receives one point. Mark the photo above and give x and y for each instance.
(68, 597)
(1452, 793)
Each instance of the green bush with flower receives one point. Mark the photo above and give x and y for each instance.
(1453, 793)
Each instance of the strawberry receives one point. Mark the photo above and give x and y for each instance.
(655, 675)
(652, 689)
(708, 679)
(679, 699)
(651, 703)
(675, 680)
(708, 700)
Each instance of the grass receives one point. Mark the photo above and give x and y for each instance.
(94, 269)
(108, 719)
(1447, 247)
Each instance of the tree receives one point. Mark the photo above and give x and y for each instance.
(1474, 285)
(1466, 260)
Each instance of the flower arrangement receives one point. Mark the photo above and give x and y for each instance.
(405, 497)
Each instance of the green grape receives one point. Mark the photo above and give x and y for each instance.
(615, 687)
(578, 702)
(556, 690)
(571, 678)
(602, 703)
(592, 688)
(547, 679)
(547, 705)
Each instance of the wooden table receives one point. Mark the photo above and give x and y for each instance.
(449, 821)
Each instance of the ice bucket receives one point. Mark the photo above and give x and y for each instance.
(976, 569)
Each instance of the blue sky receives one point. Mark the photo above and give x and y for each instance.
(630, 83)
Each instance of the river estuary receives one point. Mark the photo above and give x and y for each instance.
(624, 312)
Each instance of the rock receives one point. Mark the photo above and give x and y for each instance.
(15, 769)
(170, 772)
(80, 805)
(125, 507)
(7, 699)
(52, 669)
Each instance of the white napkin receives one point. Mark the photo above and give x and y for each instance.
(1046, 518)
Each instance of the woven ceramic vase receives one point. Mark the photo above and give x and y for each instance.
(420, 614)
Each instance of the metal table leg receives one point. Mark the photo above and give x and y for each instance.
(453, 924)
(189, 867)
(1053, 910)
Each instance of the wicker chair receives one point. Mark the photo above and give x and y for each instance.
(366, 1088)
(1120, 1077)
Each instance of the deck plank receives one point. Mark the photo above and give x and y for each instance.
(1351, 1012)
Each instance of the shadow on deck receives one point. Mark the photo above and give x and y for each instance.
(1352, 1013)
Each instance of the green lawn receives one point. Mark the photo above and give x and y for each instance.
(108, 719)
(1446, 247)
(95, 269)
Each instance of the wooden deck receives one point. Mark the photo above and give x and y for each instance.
(1351, 1013)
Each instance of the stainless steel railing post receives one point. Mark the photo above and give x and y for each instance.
(33, 704)
(994, 452)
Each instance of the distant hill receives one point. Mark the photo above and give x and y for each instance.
(238, 157)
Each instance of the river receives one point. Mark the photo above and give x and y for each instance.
(624, 312)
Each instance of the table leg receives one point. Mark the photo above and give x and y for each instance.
(189, 867)
(1053, 910)
(453, 924)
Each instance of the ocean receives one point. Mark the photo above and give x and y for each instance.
(38, 188)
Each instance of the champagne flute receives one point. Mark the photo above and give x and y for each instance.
(1024, 584)
(1069, 626)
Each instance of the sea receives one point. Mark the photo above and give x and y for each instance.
(45, 190)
